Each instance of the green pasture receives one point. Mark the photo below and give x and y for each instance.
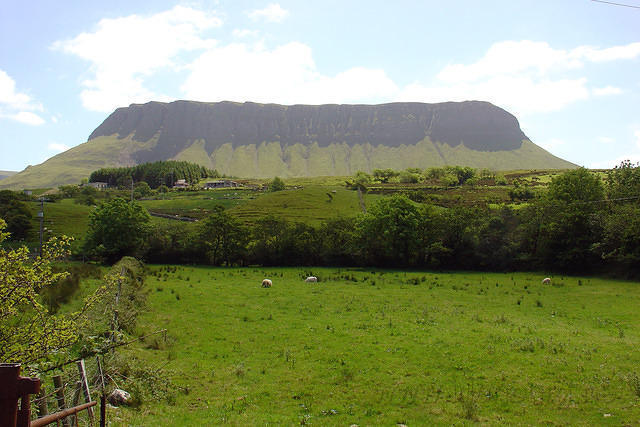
(386, 347)
(310, 204)
(198, 204)
(62, 217)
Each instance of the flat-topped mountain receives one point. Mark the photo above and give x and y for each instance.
(264, 140)
(478, 125)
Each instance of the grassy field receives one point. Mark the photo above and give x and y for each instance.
(62, 217)
(311, 204)
(198, 204)
(387, 347)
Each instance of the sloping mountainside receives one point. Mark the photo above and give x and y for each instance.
(6, 174)
(265, 140)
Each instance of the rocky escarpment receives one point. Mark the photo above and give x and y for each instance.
(477, 125)
(266, 140)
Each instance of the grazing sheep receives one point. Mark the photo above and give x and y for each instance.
(266, 283)
(546, 281)
(311, 279)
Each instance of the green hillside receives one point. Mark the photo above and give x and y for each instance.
(77, 163)
(6, 174)
(271, 159)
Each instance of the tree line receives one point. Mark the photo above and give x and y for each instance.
(154, 174)
(580, 225)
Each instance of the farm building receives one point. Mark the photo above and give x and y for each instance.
(181, 183)
(223, 183)
(98, 185)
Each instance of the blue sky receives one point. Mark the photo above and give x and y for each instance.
(569, 70)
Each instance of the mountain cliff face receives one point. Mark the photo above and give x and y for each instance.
(265, 140)
(477, 125)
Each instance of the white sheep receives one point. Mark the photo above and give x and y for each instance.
(311, 279)
(546, 281)
(266, 283)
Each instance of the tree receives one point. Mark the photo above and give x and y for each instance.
(459, 236)
(578, 185)
(384, 175)
(16, 213)
(269, 240)
(462, 174)
(624, 181)
(27, 331)
(620, 242)
(276, 185)
(87, 196)
(407, 177)
(141, 190)
(562, 227)
(117, 228)
(521, 191)
(337, 241)
(223, 236)
(69, 191)
(387, 232)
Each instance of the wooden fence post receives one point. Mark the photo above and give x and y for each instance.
(43, 407)
(85, 388)
(57, 383)
(103, 400)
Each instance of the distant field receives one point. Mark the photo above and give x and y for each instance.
(198, 204)
(62, 217)
(387, 347)
(309, 200)
(311, 204)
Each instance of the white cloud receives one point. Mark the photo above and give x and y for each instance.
(524, 77)
(636, 134)
(606, 139)
(25, 117)
(510, 57)
(244, 32)
(123, 51)
(607, 90)
(54, 146)
(272, 13)
(286, 74)
(589, 53)
(520, 95)
(15, 105)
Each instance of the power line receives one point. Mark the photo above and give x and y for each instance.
(616, 4)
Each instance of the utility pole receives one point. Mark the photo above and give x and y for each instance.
(41, 218)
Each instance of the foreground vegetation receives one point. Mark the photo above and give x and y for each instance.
(384, 347)
(364, 345)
